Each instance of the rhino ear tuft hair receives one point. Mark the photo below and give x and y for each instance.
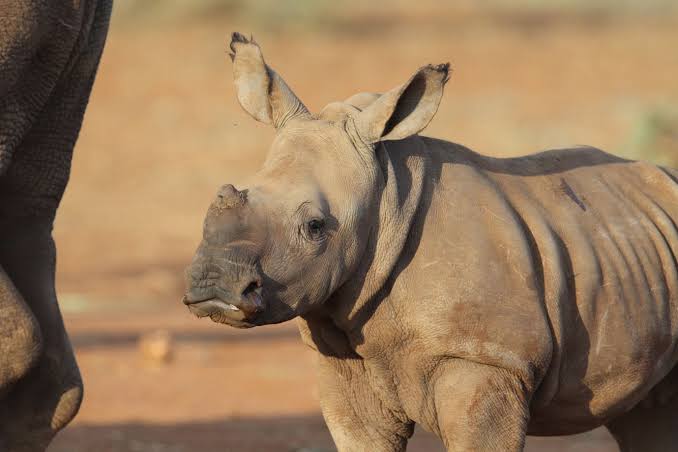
(406, 110)
(261, 91)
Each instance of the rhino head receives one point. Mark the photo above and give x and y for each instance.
(281, 247)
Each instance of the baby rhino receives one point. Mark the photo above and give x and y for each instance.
(484, 299)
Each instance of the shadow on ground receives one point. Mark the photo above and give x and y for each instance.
(284, 434)
(234, 434)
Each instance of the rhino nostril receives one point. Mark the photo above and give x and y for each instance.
(252, 295)
(251, 288)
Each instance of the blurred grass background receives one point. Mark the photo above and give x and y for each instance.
(655, 136)
(327, 14)
(164, 130)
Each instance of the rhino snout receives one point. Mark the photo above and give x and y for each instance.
(213, 290)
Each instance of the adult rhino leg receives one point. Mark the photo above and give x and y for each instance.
(652, 425)
(48, 396)
(20, 339)
(480, 408)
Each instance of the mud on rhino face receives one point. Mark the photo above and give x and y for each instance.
(283, 246)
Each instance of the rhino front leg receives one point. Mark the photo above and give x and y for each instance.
(355, 415)
(481, 408)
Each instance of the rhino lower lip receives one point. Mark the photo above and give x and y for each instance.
(206, 308)
(221, 312)
(228, 305)
(188, 302)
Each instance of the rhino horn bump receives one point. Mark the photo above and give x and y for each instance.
(231, 197)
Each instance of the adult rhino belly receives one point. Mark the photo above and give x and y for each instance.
(608, 242)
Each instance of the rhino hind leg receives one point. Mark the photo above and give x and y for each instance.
(652, 425)
(647, 429)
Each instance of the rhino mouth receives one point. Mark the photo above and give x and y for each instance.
(219, 311)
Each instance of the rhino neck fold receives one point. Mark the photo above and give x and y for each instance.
(403, 190)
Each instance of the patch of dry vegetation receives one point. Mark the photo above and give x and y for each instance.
(656, 137)
(367, 17)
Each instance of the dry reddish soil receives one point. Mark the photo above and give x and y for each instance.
(164, 131)
(222, 390)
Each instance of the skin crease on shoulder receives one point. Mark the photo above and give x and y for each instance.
(482, 298)
(49, 53)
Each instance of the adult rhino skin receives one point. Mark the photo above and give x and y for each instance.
(49, 52)
(481, 298)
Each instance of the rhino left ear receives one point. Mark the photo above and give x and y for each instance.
(406, 110)
(261, 91)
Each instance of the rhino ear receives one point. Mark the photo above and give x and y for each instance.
(261, 91)
(406, 110)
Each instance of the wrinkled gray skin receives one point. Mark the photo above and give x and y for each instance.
(482, 298)
(49, 52)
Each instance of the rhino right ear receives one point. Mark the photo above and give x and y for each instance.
(406, 110)
(261, 91)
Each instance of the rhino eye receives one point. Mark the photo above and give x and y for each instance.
(315, 229)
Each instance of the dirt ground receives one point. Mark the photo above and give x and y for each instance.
(223, 390)
(164, 131)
